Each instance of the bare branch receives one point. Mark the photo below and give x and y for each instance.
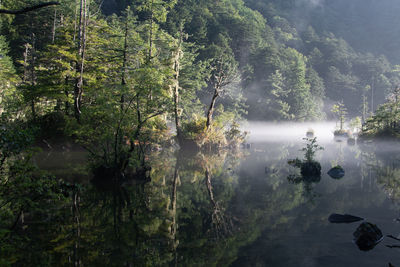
(27, 9)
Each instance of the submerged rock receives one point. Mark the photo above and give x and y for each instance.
(343, 218)
(336, 172)
(367, 236)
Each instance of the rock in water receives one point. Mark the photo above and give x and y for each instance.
(367, 236)
(343, 218)
(336, 172)
(311, 168)
(310, 133)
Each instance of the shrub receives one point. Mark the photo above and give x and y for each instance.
(234, 136)
(194, 129)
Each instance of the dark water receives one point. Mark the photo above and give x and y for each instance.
(227, 209)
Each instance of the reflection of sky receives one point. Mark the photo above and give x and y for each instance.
(307, 238)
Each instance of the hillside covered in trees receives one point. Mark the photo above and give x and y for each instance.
(259, 60)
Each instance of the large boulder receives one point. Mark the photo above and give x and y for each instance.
(367, 236)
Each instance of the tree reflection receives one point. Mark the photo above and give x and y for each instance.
(308, 187)
(221, 224)
(310, 169)
(203, 209)
(389, 178)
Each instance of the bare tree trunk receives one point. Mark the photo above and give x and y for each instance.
(341, 120)
(32, 70)
(221, 224)
(151, 43)
(210, 111)
(125, 59)
(176, 86)
(28, 72)
(75, 18)
(372, 95)
(53, 37)
(151, 31)
(26, 52)
(76, 215)
(364, 108)
(174, 197)
(209, 189)
(54, 27)
(80, 64)
(118, 138)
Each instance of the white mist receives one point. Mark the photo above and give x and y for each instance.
(288, 131)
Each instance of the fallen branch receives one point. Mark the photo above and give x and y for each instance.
(27, 9)
(393, 246)
(395, 238)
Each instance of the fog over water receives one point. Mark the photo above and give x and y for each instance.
(288, 131)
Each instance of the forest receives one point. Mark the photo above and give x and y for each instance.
(139, 67)
(120, 80)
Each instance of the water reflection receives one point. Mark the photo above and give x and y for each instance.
(248, 208)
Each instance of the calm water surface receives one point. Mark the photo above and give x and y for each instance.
(233, 209)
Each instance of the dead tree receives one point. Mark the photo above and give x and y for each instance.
(176, 87)
(224, 72)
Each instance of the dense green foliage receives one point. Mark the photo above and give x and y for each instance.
(385, 121)
(137, 52)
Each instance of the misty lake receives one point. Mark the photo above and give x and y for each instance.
(227, 209)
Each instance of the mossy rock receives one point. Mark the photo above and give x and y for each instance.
(336, 172)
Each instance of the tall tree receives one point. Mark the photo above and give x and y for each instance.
(80, 63)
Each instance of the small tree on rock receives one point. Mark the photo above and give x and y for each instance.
(341, 111)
